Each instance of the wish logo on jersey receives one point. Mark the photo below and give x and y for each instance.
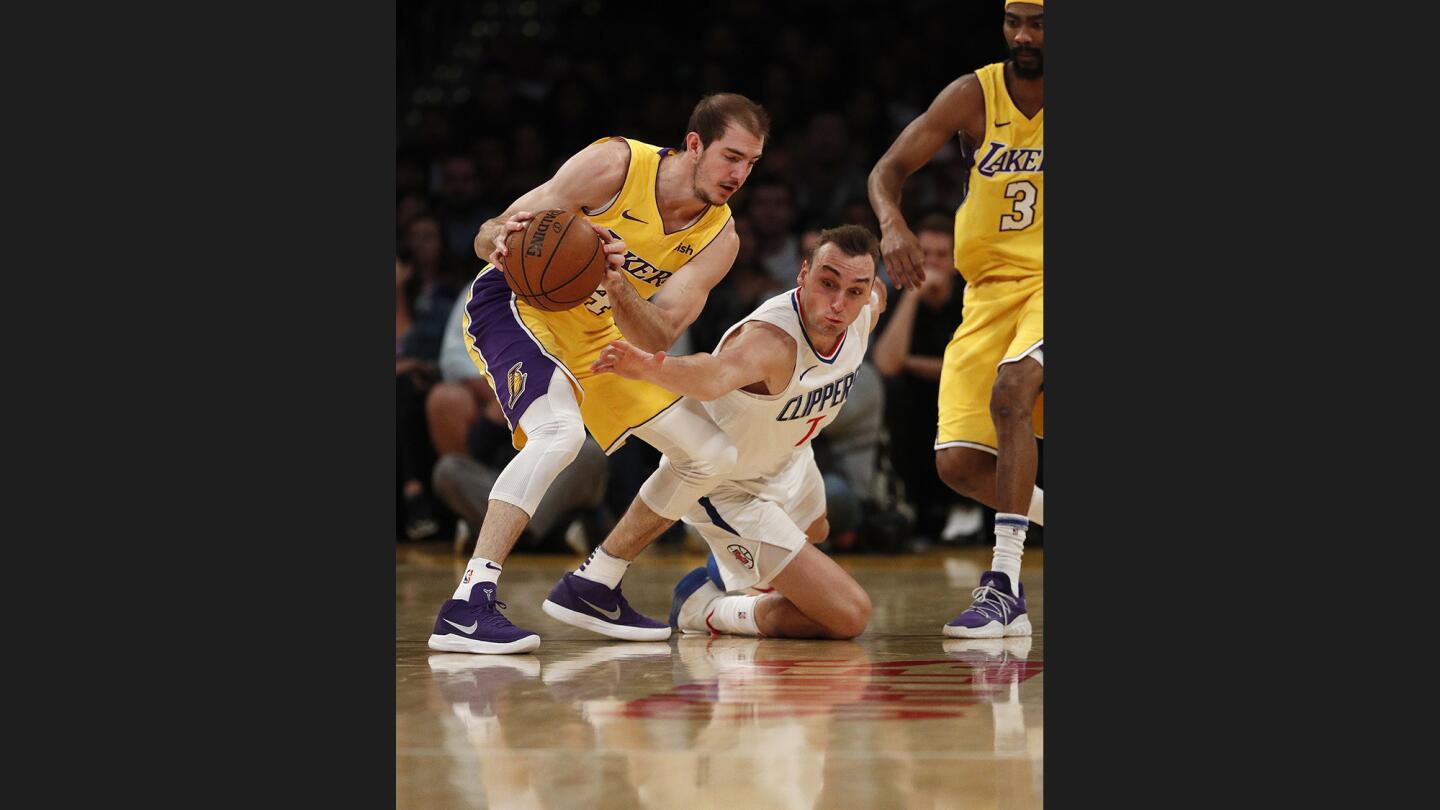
(1001, 158)
(832, 395)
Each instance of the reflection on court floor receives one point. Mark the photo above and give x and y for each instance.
(900, 717)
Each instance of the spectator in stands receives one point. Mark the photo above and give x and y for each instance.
(424, 293)
(496, 182)
(830, 175)
(744, 288)
(460, 211)
(771, 208)
(408, 208)
(847, 453)
(528, 166)
(410, 177)
(908, 352)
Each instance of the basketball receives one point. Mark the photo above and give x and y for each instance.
(556, 262)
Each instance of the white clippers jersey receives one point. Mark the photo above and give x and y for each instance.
(773, 431)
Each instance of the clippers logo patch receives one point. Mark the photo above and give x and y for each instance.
(515, 379)
(743, 555)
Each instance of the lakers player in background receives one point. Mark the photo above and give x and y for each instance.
(664, 215)
(993, 371)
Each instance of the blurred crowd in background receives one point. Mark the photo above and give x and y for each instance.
(494, 95)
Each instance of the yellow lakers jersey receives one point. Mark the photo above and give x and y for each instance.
(999, 227)
(611, 405)
(654, 255)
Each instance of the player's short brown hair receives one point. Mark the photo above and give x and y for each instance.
(852, 240)
(716, 111)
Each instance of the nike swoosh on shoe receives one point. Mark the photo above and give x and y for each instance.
(612, 615)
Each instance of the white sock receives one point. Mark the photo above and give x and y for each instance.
(1009, 545)
(734, 614)
(1037, 507)
(603, 567)
(479, 570)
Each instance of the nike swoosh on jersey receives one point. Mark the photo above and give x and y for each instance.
(462, 628)
(612, 615)
(807, 371)
(998, 125)
(626, 215)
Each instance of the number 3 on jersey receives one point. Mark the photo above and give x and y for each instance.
(1024, 193)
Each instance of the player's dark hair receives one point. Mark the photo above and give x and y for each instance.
(719, 110)
(852, 240)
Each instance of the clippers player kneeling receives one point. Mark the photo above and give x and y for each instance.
(777, 378)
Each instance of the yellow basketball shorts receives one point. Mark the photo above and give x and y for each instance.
(1003, 321)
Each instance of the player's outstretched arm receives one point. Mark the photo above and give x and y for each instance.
(758, 353)
(656, 324)
(587, 180)
(958, 108)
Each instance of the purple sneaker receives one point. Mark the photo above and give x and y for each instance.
(591, 606)
(996, 611)
(478, 626)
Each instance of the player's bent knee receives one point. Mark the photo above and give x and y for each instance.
(562, 438)
(852, 619)
(1015, 391)
(568, 448)
(818, 531)
(960, 469)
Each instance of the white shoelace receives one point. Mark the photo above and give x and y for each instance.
(992, 603)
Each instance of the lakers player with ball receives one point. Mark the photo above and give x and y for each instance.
(664, 216)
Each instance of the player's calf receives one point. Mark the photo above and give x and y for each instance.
(815, 598)
(848, 619)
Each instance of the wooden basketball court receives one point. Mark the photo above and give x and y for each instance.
(902, 717)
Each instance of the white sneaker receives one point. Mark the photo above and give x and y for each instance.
(964, 520)
(691, 601)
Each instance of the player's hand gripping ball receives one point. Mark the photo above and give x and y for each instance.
(556, 262)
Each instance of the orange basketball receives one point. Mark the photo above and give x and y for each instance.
(556, 262)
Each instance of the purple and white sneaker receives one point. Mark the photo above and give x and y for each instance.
(996, 611)
(589, 605)
(478, 626)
